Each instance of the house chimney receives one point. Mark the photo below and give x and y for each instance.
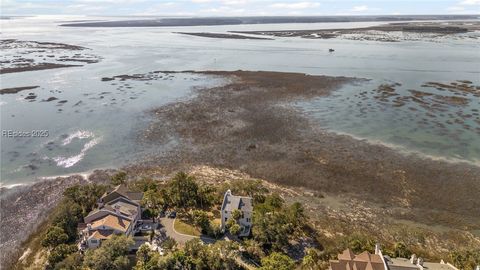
(117, 209)
(89, 226)
(413, 259)
(377, 248)
(420, 261)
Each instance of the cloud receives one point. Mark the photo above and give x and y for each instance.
(234, 2)
(456, 8)
(299, 5)
(461, 7)
(360, 8)
(223, 10)
(470, 2)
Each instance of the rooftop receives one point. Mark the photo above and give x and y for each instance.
(405, 264)
(123, 191)
(233, 202)
(102, 234)
(347, 260)
(114, 222)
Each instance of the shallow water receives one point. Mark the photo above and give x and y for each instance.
(102, 130)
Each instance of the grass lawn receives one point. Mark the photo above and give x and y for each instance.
(185, 228)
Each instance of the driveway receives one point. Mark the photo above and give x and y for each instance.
(167, 224)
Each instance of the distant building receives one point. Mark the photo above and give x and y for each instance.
(366, 261)
(415, 263)
(118, 213)
(244, 205)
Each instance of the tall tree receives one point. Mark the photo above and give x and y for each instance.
(112, 254)
(277, 261)
(153, 201)
(183, 191)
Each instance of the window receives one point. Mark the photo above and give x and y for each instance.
(93, 241)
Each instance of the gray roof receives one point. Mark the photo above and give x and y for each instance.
(238, 202)
(123, 191)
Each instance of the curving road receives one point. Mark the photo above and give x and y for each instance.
(167, 224)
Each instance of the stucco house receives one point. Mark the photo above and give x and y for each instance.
(118, 213)
(347, 260)
(241, 203)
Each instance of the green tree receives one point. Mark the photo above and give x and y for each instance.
(118, 178)
(277, 261)
(72, 262)
(183, 191)
(236, 214)
(215, 230)
(356, 245)
(206, 195)
(253, 250)
(144, 184)
(310, 260)
(230, 222)
(271, 229)
(152, 200)
(59, 253)
(401, 250)
(144, 255)
(296, 214)
(200, 218)
(465, 259)
(112, 254)
(169, 244)
(235, 229)
(85, 196)
(67, 217)
(54, 237)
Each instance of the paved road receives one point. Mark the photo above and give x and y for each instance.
(167, 224)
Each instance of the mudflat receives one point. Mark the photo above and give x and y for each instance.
(248, 124)
(25, 55)
(392, 32)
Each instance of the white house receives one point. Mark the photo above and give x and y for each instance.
(241, 203)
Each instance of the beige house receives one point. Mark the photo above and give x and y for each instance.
(377, 261)
(241, 203)
(118, 213)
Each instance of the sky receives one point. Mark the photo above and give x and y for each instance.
(237, 7)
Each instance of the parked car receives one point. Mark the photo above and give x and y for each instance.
(172, 214)
(145, 227)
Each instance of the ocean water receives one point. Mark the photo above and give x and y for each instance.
(100, 123)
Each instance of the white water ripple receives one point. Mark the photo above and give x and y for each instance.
(68, 162)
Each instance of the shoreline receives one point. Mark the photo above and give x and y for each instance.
(406, 151)
(373, 142)
(249, 125)
(85, 175)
